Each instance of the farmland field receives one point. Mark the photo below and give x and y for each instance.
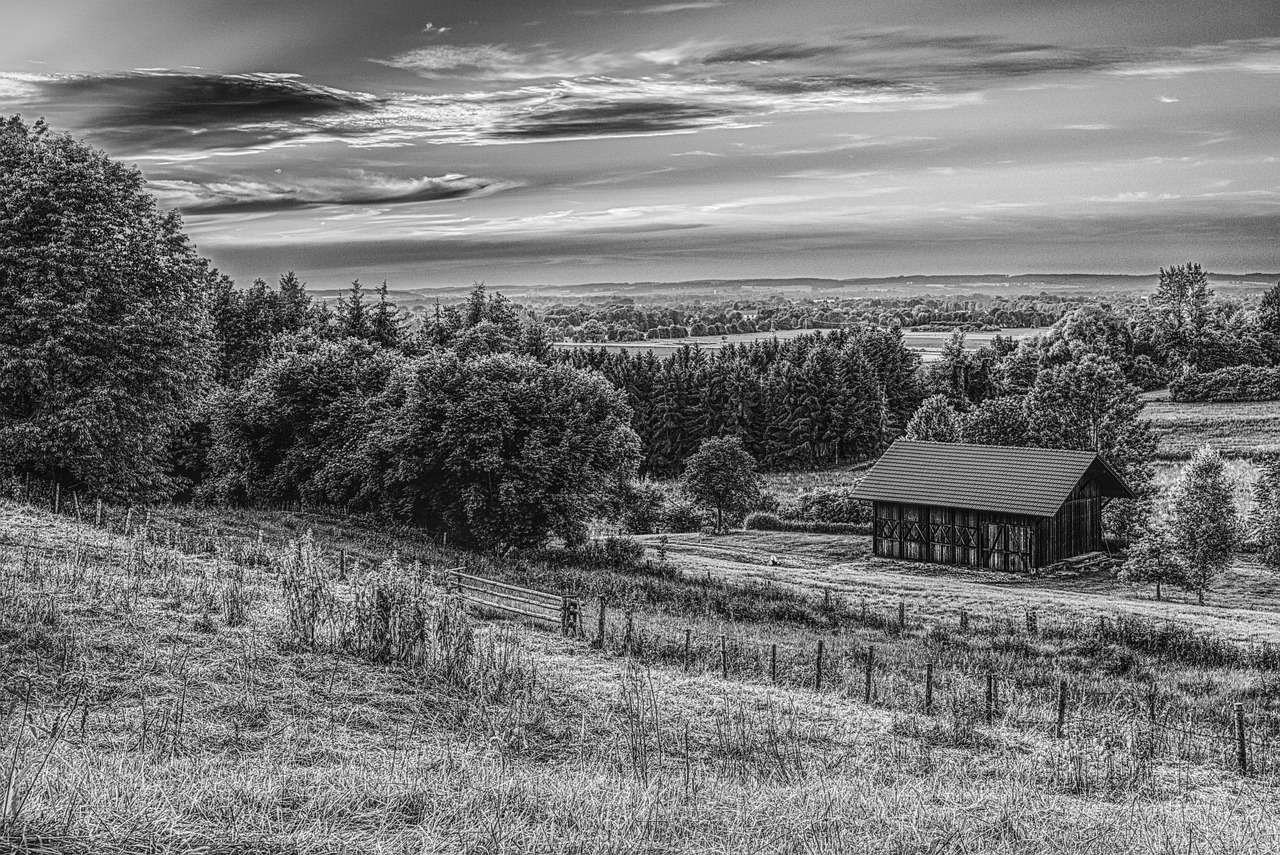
(1248, 428)
(927, 344)
(160, 722)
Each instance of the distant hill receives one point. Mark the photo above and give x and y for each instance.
(954, 285)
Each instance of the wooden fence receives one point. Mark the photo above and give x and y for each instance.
(528, 603)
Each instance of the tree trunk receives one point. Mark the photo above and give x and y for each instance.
(1200, 596)
(1157, 589)
(719, 518)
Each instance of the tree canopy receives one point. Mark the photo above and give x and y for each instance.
(105, 340)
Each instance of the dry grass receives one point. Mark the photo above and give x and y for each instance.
(151, 721)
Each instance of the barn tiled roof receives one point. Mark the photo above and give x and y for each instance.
(998, 478)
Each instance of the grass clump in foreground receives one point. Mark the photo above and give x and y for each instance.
(368, 713)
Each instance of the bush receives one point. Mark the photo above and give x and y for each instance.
(764, 521)
(828, 505)
(1239, 383)
(641, 508)
(683, 516)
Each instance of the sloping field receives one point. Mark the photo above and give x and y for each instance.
(146, 713)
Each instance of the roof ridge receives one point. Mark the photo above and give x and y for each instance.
(992, 445)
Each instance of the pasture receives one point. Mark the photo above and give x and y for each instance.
(302, 682)
(1237, 429)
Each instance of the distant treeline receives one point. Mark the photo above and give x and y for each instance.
(629, 321)
(812, 400)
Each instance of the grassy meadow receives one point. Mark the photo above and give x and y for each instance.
(1237, 429)
(301, 682)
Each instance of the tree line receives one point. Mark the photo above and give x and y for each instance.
(814, 400)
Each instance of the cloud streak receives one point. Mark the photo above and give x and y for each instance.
(225, 196)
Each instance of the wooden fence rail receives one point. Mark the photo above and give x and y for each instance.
(512, 599)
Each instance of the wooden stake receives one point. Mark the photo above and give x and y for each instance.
(97, 515)
(688, 643)
(871, 658)
(964, 621)
(724, 657)
(817, 670)
(600, 624)
(902, 615)
(57, 497)
(928, 688)
(991, 698)
(631, 627)
(1060, 725)
(773, 663)
(1242, 755)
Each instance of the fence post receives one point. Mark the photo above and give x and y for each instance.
(724, 657)
(902, 615)
(1061, 723)
(1033, 627)
(600, 624)
(826, 598)
(1151, 704)
(342, 565)
(97, 516)
(688, 643)
(866, 692)
(990, 698)
(1242, 754)
(631, 626)
(928, 688)
(817, 670)
(57, 497)
(773, 663)
(564, 615)
(964, 620)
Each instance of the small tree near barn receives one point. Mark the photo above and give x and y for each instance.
(1153, 558)
(1203, 520)
(721, 474)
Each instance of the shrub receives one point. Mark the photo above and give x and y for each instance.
(764, 521)
(684, 516)
(641, 508)
(828, 505)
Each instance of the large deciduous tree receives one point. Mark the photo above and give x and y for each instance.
(1203, 520)
(499, 450)
(105, 338)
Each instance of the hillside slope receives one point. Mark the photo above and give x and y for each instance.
(140, 718)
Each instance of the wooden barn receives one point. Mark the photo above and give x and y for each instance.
(998, 507)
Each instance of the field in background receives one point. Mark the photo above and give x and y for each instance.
(158, 720)
(927, 344)
(1237, 429)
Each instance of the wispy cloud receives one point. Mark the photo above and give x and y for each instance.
(232, 195)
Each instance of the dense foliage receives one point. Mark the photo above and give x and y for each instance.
(721, 475)
(105, 343)
(808, 401)
(1239, 383)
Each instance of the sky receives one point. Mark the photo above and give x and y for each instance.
(441, 143)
